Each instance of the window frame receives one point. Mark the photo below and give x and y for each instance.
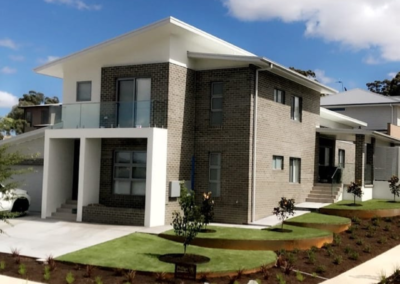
(28, 117)
(77, 91)
(282, 96)
(274, 158)
(129, 165)
(216, 110)
(342, 158)
(291, 171)
(215, 167)
(293, 108)
(44, 119)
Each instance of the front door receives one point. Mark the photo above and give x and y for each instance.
(134, 102)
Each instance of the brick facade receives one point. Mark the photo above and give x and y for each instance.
(112, 215)
(360, 159)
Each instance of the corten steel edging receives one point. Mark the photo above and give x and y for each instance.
(334, 228)
(362, 214)
(302, 244)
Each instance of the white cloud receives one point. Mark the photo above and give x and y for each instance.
(48, 59)
(391, 75)
(321, 77)
(78, 4)
(8, 70)
(7, 100)
(372, 60)
(17, 57)
(6, 42)
(359, 24)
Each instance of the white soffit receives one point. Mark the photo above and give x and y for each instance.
(340, 118)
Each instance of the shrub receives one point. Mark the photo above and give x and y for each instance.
(285, 209)
(22, 270)
(288, 268)
(190, 223)
(394, 237)
(376, 221)
(388, 219)
(264, 271)
(367, 249)
(355, 220)
(98, 280)
(239, 273)
(2, 265)
(359, 242)
(299, 276)
(320, 269)
(89, 271)
(354, 255)
(382, 240)
(207, 208)
(355, 189)
(311, 256)
(291, 258)
(337, 240)
(350, 230)
(338, 259)
(130, 276)
(47, 273)
(394, 187)
(352, 236)
(347, 250)
(51, 262)
(370, 234)
(330, 252)
(387, 228)
(70, 278)
(280, 278)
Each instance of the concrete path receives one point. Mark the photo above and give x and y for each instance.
(311, 205)
(273, 220)
(40, 238)
(369, 272)
(10, 280)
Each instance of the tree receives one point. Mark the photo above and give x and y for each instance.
(355, 189)
(284, 210)
(386, 87)
(394, 187)
(190, 223)
(307, 73)
(207, 208)
(33, 98)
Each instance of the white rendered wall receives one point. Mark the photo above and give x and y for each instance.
(32, 181)
(57, 174)
(156, 179)
(381, 190)
(89, 174)
(368, 194)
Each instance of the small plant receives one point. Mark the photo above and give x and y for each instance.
(296, 251)
(350, 230)
(299, 276)
(280, 278)
(354, 255)
(89, 271)
(288, 268)
(337, 240)
(382, 277)
(314, 248)
(355, 220)
(355, 189)
(347, 250)
(280, 262)
(207, 208)
(359, 242)
(388, 220)
(98, 280)
(320, 269)
(130, 276)
(15, 253)
(382, 240)
(264, 271)
(311, 256)
(2, 265)
(352, 236)
(338, 259)
(239, 273)
(376, 221)
(314, 274)
(387, 228)
(330, 252)
(291, 258)
(47, 273)
(370, 235)
(326, 245)
(22, 269)
(51, 262)
(394, 187)
(367, 249)
(70, 278)
(118, 272)
(284, 210)
(161, 277)
(394, 237)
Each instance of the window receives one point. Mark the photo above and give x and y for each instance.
(28, 117)
(44, 116)
(342, 158)
(295, 170)
(296, 110)
(130, 172)
(216, 113)
(214, 180)
(277, 162)
(279, 96)
(84, 91)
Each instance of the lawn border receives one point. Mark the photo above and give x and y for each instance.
(360, 213)
(244, 244)
(334, 228)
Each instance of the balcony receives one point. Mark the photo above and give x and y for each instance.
(127, 114)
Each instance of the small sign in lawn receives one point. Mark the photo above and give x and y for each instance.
(185, 271)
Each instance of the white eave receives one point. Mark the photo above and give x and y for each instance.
(339, 133)
(267, 63)
(340, 118)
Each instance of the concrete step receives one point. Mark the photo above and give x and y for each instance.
(322, 184)
(70, 201)
(325, 190)
(65, 210)
(312, 195)
(63, 216)
(320, 200)
(68, 206)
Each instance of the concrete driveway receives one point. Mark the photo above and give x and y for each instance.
(40, 238)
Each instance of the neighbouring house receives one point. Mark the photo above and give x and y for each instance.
(168, 103)
(39, 116)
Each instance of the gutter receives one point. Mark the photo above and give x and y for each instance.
(254, 158)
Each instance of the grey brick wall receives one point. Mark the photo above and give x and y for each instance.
(112, 215)
(279, 135)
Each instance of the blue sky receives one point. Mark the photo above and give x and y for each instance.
(356, 46)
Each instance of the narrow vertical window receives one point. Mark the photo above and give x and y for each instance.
(279, 96)
(84, 91)
(44, 116)
(214, 180)
(277, 162)
(297, 108)
(342, 158)
(28, 117)
(295, 170)
(216, 114)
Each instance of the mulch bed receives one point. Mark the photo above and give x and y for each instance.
(183, 258)
(362, 242)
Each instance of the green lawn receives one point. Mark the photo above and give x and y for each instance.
(320, 219)
(140, 251)
(366, 205)
(257, 234)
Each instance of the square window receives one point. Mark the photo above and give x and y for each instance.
(139, 187)
(84, 91)
(123, 157)
(277, 162)
(122, 187)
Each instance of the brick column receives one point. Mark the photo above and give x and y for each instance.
(359, 159)
(316, 160)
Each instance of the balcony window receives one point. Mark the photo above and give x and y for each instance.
(130, 172)
(84, 91)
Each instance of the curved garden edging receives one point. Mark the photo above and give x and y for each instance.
(274, 245)
(362, 214)
(334, 228)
